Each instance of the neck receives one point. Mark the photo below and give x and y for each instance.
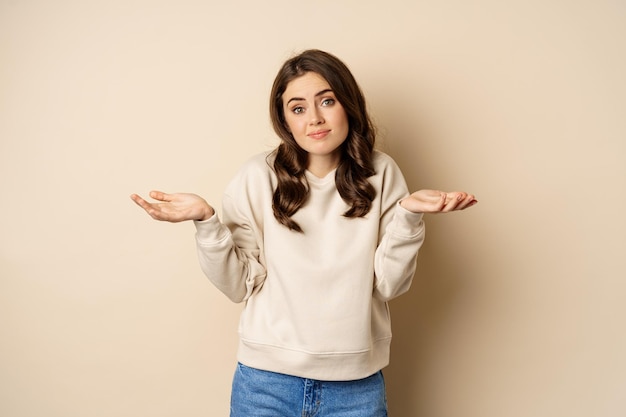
(320, 167)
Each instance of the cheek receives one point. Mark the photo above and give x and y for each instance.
(342, 120)
(340, 117)
(293, 126)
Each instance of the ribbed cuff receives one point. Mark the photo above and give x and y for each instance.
(210, 230)
(407, 223)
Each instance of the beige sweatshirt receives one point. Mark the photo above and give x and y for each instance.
(316, 302)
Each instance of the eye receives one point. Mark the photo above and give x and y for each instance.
(328, 102)
(297, 109)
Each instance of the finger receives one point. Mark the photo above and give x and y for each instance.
(454, 196)
(140, 202)
(467, 203)
(464, 201)
(440, 204)
(160, 195)
(453, 200)
(450, 206)
(443, 200)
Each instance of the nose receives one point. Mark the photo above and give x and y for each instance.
(316, 117)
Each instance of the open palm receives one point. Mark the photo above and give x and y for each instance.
(176, 207)
(434, 201)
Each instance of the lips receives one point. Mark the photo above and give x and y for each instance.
(319, 134)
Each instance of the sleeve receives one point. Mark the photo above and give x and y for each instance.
(229, 253)
(402, 235)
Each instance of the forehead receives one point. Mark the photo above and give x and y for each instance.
(305, 85)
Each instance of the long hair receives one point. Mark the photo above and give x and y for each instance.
(290, 163)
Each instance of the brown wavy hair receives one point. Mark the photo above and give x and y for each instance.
(290, 163)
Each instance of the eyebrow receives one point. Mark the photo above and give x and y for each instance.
(321, 93)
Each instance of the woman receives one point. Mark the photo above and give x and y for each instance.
(317, 236)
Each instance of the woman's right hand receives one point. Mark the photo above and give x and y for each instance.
(175, 208)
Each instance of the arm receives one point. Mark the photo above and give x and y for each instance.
(233, 270)
(229, 253)
(403, 231)
(396, 255)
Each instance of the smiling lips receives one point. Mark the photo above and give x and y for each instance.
(319, 134)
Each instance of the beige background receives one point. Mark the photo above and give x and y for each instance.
(518, 306)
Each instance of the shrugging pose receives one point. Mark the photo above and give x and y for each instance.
(316, 237)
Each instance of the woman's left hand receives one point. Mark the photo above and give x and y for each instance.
(434, 201)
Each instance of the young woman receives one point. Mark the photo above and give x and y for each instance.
(316, 237)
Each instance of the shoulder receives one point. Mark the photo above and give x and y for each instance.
(388, 177)
(256, 172)
(257, 166)
(383, 162)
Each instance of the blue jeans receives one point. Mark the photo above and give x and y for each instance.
(258, 393)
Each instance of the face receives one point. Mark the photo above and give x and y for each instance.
(316, 119)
